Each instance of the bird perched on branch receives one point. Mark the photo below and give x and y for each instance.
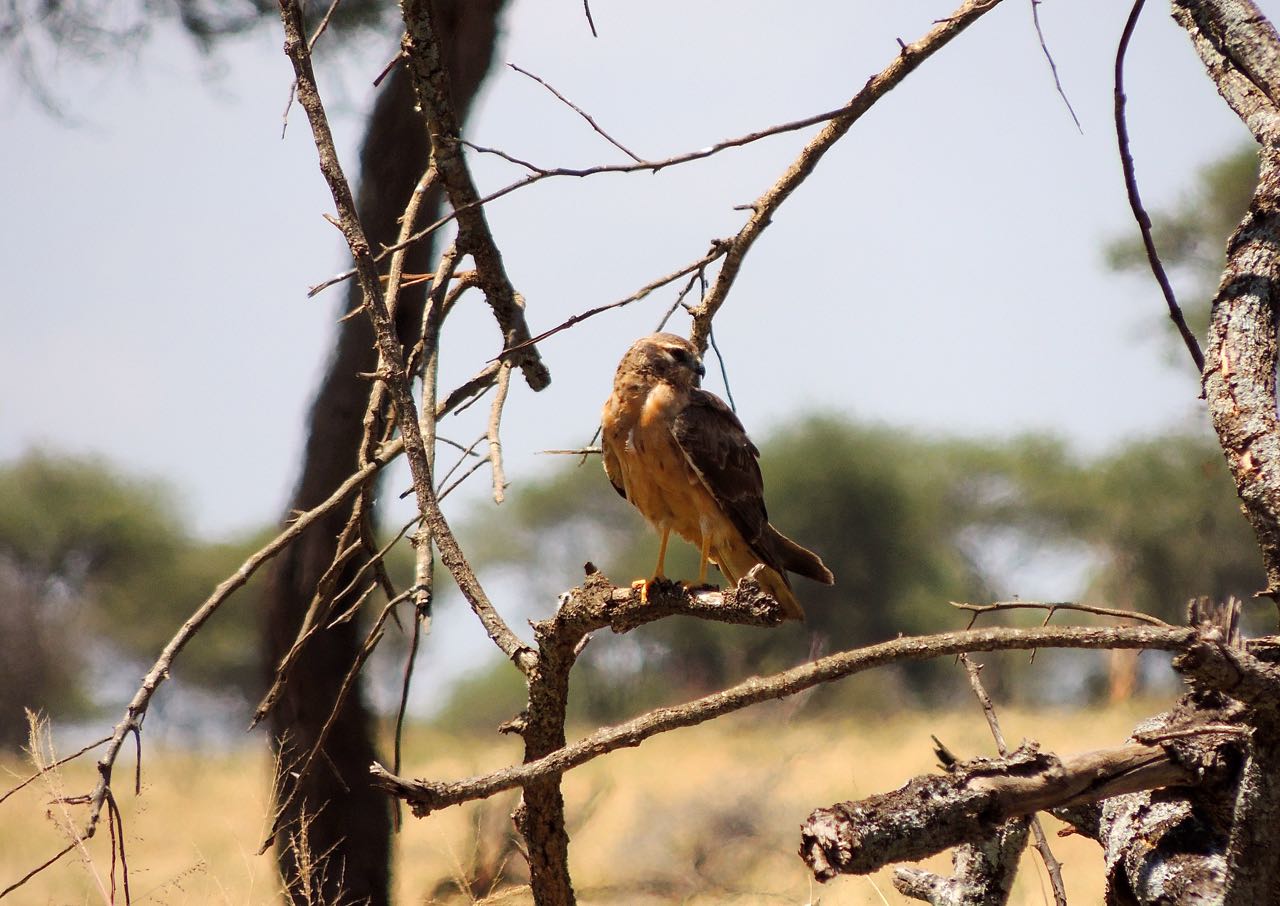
(683, 459)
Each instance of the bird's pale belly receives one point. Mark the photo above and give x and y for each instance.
(664, 488)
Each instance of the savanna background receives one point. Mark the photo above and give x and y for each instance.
(962, 386)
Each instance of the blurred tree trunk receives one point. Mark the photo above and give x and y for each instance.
(347, 820)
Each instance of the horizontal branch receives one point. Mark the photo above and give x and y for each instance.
(935, 812)
(1054, 606)
(425, 797)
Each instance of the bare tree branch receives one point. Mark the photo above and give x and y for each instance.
(763, 209)
(388, 346)
(1135, 201)
(425, 797)
(431, 83)
(935, 812)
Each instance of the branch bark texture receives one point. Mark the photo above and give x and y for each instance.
(1241, 53)
(935, 812)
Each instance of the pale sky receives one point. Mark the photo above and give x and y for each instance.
(941, 270)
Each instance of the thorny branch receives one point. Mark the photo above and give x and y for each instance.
(425, 797)
(1051, 607)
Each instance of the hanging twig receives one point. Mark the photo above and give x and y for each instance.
(578, 110)
(1135, 201)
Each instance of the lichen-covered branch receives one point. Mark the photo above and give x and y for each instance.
(983, 871)
(935, 812)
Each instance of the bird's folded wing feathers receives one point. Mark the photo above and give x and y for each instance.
(716, 446)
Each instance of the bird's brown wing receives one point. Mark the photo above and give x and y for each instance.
(717, 447)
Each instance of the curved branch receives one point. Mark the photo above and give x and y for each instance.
(425, 797)
(1135, 200)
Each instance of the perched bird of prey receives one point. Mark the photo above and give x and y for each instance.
(683, 459)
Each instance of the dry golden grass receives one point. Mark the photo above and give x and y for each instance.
(699, 816)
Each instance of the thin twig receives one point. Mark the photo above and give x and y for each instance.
(541, 173)
(586, 7)
(348, 683)
(724, 372)
(1053, 606)
(420, 615)
(717, 250)
(466, 452)
(475, 467)
(425, 797)
(766, 206)
(578, 110)
(49, 767)
(1053, 67)
(1051, 864)
(1135, 200)
(35, 871)
(662, 322)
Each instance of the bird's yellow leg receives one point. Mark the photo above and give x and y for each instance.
(643, 584)
(702, 562)
(662, 554)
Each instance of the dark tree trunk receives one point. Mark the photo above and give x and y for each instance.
(348, 821)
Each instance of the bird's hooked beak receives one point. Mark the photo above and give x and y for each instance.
(700, 368)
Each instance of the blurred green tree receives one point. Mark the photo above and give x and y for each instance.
(92, 559)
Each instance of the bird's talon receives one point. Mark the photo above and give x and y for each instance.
(643, 586)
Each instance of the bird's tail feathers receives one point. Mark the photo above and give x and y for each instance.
(735, 563)
(780, 590)
(800, 560)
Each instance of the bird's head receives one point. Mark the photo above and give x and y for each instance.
(668, 358)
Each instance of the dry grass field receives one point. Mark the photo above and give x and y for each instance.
(699, 816)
